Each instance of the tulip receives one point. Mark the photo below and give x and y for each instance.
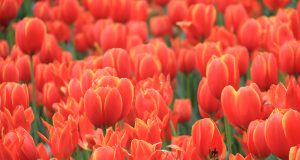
(30, 33)
(186, 60)
(141, 149)
(50, 50)
(292, 96)
(220, 72)
(13, 95)
(160, 26)
(204, 52)
(183, 108)
(149, 131)
(139, 10)
(113, 36)
(75, 89)
(107, 153)
(241, 55)
(275, 4)
(264, 70)
(289, 122)
(275, 137)
(234, 16)
(222, 35)
(288, 57)
(250, 34)
(256, 140)
(80, 42)
(10, 73)
(207, 139)
(51, 95)
(3, 49)
(23, 66)
(208, 105)
(108, 92)
(69, 10)
(291, 17)
(42, 10)
(59, 29)
(240, 157)
(147, 66)
(99, 8)
(120, 10)
(177, 10)
(294, 153)
(42, 151)
(242, 106)
(118, 59)
(8, 10)
(138, 28)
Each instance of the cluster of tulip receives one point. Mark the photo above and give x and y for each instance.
(149, 79)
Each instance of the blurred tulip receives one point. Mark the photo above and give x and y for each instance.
(242, 106)
(288, 57)
(207, 139)
(138, 28)
(177, 10)
(99, 8)
(208, 105)
(183, 108)
(30, 33)
(294, 153)
(50, 50)
(220, 72)
(8, 11)
(10, 72)
(250, 34)
(275, 4)
(51, 95)
(59, 29)
(161, 26)
(80, 42)
(264, 70)
(120, 10)
(3, 49)
(290, 120)
(141, 149)
(235, 16)
(240, 157)
(241, 55)
(186, 60)
(42, 152)
(23, 65)
(42, 10)
(113, 36)
(256, 139)
(69, 10)
(139, 10)
(204, 52)
(108, 153)
(291, 17)
(222, 35)
(108, 92)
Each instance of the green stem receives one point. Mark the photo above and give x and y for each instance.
(33, 103)
(228, 134)
(173, 128)
(188, 86)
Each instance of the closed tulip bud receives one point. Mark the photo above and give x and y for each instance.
(50, 50)
(30, 33)
(222, 35)
(207, 139)
(139, 10)
(186, 60)
(120, 10)
(264, 70)
(204, 52)
(240, 157)
(111, 98)
(42, 10)
(250, 34)
(183, 108)
(275, 136)
(113, 36)
(234, 16)
(23, 65)
(161, 26)
(141, 149)
(208, 105)
(289, 122)
(177, 10)
(3, 49)
(291, 17)
(75, 89)
(13, 95)
(275, 4)
(99, 8)
(69, 10)
(147, 66)
(289, 54)
(198, 14)
(51, 95)
(294, 153)
(8, 10)
(138, 28)
(59, 29)
(220, 72)
(10, 72)
(241, 55)
(118, 59)
(256, 139)
(242, 106)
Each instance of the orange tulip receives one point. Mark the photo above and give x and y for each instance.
(118, 59)
(160, 26)
(186, 60)
(42, 10)
(220, 72)
(242, 106)
(183, 108)
(149, 131)
(234, 16)
(177, 10)
(204, 52)
(75, 89)
(147, 66)
(51, 95)
(288, 57)
(208, 105)
(240, 157)
(69, 10)
(108, 153)
(275, 4)
(8, 10)
(59, 29)
(222, 35)
(275, 136)
(241, 55)
(113, 36)
(256, 139)
(108, 92)
(294, 153)
(291, 17)
(139, 10)
(30, 33)
(23, 65)
(13, 95)
(141, 149)
(250, 34)
(10, 73)
(264, 70)
(138, 28)
(208, 140)
(99, 8)
(120, 10)
(3, 49)
(50, 50)
(289, 122)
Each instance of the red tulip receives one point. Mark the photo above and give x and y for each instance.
(264, 70)
(275, 4)
(141, 149)
(160, 26)
(51, 95)
(241, 55)
(150, 131)
(208, 105)
(69, 10)
(42, 10)
(139, 10)
(240, 157)
(256, 139)
(177, 10)
(242, 106)
(30, 33)
(113, 36)
(220, 72)
(3, 49)
(59, 29)
(42, 151)
(99, 8)
(108, 92)
(10, 73)
(291, 17)
(120, 10)
(235, 16)
(250, 34)
(183, 108)
(23, 65)
(207, 139)
(222, 35)
(288, 57)
(294, 153)
(186, 60)
(8, 10)
(289, 122)
(50, 50)
(108, 153)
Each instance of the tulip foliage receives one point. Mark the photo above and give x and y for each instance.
(149, 79)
